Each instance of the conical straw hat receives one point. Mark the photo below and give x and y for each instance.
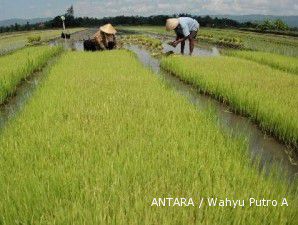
(172, 24)
(108, 29)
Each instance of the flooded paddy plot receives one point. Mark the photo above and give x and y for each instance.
(76, 43)
(10, 42)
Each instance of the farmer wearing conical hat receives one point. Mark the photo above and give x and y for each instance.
(185, 28)
(103, 39)
(106, 37)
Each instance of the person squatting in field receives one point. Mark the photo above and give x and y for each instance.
(104, 39)
(185, 28)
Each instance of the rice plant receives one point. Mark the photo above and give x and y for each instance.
(17, 66)
(102, 137)
(152, 44)
(267, 95)
(285, 63)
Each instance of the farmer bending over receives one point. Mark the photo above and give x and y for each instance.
(104, 39)
(185, 28)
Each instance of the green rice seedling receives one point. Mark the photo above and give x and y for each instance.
(231, 42)
(278, 44)
(96, 145)
(285, 63)
(34, 39)
(267, 95)
(151, 44)
(20, 64)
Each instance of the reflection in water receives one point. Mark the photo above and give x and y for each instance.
(199, 50)
(196, 52)
(75, 42)
(266, 148)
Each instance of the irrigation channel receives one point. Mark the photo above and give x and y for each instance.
(261, 146)
(13, 104)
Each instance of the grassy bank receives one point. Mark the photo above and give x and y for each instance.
(284, 63)
(267, 95)
(19, 65)
(110, 138)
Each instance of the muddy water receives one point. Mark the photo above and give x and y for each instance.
(264, 147)
(197, 51)
(201, 49)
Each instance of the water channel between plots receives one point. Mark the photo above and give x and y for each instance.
(266, 148)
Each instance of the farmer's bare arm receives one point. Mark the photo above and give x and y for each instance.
(175, 43)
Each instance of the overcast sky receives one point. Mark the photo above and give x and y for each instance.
(99, 8)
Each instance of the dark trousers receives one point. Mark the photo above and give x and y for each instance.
(192, 37)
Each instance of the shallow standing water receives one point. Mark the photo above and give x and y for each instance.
(262, 146)
(75, 42)
(22, 94)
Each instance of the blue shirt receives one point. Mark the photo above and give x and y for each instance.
(188, 25)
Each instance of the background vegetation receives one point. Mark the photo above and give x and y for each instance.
(277, 26)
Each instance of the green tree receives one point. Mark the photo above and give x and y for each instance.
(266, 25)
(16, 26)
(280, 25)
(27, 26)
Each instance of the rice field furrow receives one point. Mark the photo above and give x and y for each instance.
(17, 66)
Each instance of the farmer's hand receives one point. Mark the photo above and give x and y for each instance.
(173, 43)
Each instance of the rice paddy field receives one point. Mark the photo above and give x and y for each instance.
(285, 63)
(104, 140)
(98, 152)
(16, 40)
(283, 45)
(269, 96)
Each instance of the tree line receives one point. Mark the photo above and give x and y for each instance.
(157, 20)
